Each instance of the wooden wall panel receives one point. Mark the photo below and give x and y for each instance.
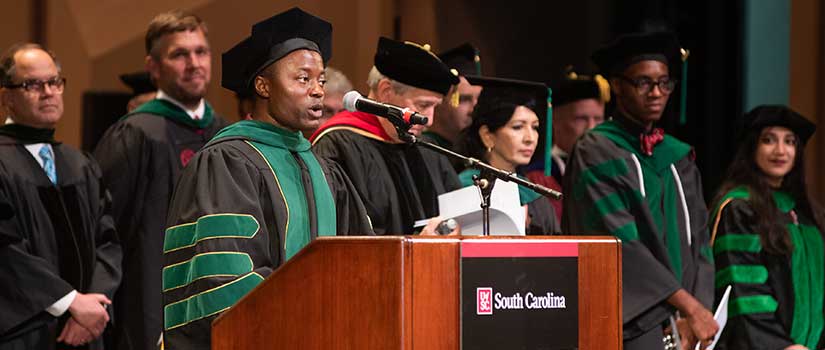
(807, 90)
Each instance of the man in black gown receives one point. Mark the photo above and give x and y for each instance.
(141, 157)
(399, 183)
(255, 194)
(628, 179)
(59, 254)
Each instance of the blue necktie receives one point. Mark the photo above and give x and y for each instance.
(48, 163)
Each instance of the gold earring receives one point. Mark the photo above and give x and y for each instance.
(489, 149)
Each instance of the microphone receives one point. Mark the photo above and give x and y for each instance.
(353, 101)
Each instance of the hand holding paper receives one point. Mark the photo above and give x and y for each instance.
(721, 317)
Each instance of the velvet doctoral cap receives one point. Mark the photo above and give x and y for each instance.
(414, 65)
(271, 40)
(465, 59)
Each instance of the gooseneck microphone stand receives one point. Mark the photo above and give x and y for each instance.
(484, 181)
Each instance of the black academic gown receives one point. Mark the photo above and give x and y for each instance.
(141, 157)
(61, 238)
(762, 305)
(399, 183)
(611, 188)
(230, 188)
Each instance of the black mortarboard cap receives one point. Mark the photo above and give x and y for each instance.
(631, 48)
(777, 115)
(497, 92)
(574, 87)
(414, 65)
(271, 40)
(237, 70)
(139, 82)
(465, 59)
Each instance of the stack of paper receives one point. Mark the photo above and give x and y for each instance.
(507, 216)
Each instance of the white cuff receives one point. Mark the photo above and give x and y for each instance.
(61, 305)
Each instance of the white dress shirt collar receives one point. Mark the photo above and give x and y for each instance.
(192, 113)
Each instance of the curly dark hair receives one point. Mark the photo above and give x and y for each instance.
(744, 171)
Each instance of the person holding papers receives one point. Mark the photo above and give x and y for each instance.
(504, 133)
(767, 238)
(398, 182)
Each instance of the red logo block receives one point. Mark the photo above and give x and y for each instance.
(484, 301)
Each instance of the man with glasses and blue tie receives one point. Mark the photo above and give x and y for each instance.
(627, 179)
(62, 264)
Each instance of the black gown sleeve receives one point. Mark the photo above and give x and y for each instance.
(602, 197)
(108, 253)
(30, 283)
(357, 158)
(122, 161)
(443, 168)
(697, 257)
(542, 218)
(223, 239)
(754, 303)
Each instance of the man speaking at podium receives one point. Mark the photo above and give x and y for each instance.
(255, 194)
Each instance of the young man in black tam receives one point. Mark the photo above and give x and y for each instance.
(627, 179)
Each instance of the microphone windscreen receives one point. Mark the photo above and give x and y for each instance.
(350, 99)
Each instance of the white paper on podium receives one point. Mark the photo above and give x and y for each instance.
(507, 216)
(721, 317)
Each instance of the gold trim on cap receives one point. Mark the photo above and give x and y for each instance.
(425, 47)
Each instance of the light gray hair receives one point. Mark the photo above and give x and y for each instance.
(337, 82)
(375, 77)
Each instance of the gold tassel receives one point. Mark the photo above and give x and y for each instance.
(604, 87)
(454, 97)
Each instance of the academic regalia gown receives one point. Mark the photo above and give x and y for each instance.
(60, 238)
(399, 183)
(535, 173)
(654, 204)
(247, 202)
(141, 157)
(540, 212)
(776, 300)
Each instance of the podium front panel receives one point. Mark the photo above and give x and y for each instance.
(519, 294)
(405, 293)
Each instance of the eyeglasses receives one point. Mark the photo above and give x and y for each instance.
(645, 85)
(56, 84)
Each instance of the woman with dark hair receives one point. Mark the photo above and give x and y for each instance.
(767, 238)
(504, 134)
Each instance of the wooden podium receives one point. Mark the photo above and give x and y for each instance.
(398, 292)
